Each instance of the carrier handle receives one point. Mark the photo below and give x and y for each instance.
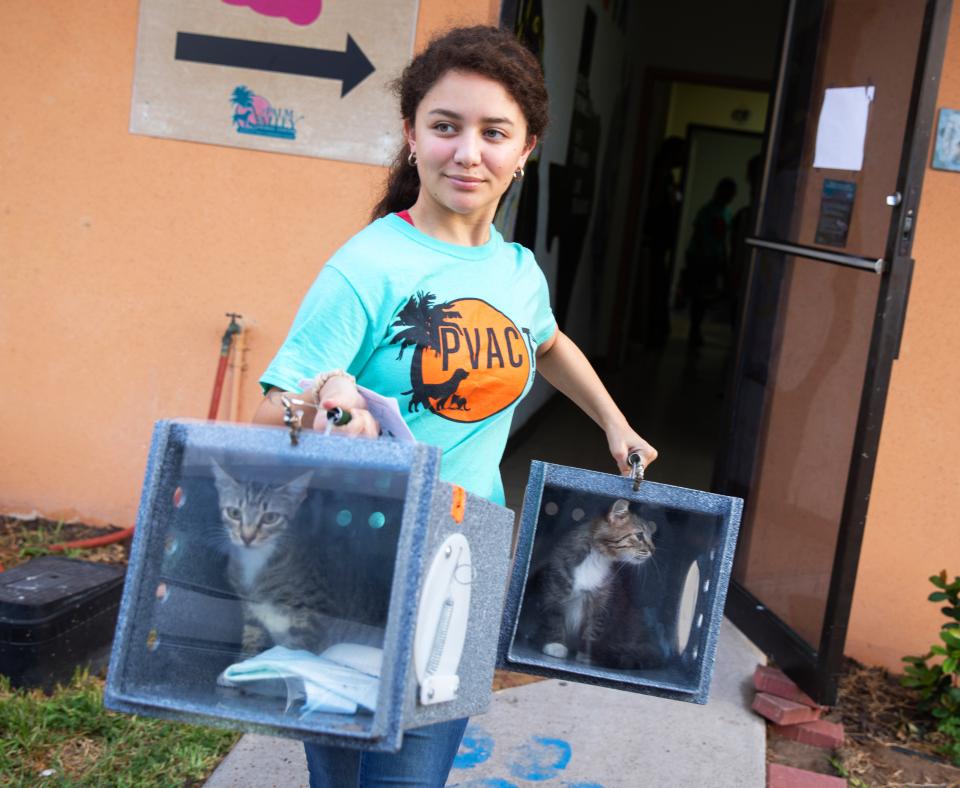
(293, 416)
(635, 459)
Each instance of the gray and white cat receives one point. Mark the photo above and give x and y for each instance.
(286, 596)
(578, 578)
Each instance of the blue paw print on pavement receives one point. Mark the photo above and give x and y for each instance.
(540, 759)
(475, 748)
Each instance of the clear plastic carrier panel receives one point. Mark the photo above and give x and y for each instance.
(276, 587)
(618, 587)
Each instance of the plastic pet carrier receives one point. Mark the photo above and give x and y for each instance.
(320, 590)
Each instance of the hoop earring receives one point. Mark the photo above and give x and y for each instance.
(412, 159)
(518, 174)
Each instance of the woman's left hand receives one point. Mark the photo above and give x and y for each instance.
(622, 440)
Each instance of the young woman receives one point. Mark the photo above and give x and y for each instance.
(430, 305)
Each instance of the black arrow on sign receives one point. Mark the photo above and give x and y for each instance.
(350, 66)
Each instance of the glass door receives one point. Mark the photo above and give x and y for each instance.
(823, 310)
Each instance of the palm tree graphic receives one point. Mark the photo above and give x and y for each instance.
(242, 97)
(423, 322)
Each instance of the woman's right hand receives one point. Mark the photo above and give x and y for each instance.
(341, 392)
(338, 392)
(361, 424)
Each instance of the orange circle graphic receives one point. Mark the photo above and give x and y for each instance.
(482, 365)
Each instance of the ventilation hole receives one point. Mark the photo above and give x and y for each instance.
(377, 520)
(577, 514)
(344, 517)
(179, 497)
(713, 555)
(706, 585)
(696, 652)
(152, 640)
(170, 545)
(700, 620)
(551, 508)
(162, 592)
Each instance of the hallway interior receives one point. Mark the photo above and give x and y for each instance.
(672, 397)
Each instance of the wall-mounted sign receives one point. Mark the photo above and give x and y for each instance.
(946, 151)
(291, 76)
(836, 210)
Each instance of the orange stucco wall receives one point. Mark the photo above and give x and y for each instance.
(120, 255)
(913, 525)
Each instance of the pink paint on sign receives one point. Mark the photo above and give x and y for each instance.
(255, 112)
(262, 111)
(300, 12)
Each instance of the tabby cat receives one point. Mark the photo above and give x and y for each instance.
(577, 579)
(287, 598)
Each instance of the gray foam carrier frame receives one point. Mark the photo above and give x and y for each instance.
(689, 678)
(426, 522)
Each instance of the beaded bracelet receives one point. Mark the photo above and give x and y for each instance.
(320, 380)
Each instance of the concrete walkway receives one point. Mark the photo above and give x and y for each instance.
(565, 735)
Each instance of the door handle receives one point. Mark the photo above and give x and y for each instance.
(894, 199)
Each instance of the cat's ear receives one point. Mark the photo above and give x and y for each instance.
(223, 481)
(297, 488)
(651, 526)
(620, 509)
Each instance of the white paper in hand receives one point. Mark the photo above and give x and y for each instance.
(386, 410)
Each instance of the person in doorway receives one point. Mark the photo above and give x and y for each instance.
(431, 275)
(659, 236)
(706, 255)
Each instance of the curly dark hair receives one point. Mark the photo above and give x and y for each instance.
(488, 51)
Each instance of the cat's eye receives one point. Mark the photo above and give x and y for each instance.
(270, 518)
(232, 513)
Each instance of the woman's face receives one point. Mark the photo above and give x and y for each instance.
(469, 136)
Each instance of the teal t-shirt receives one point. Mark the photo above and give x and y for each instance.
(450, 331)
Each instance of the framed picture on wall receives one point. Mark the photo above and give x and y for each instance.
(946, 150)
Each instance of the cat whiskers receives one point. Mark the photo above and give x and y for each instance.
(212, 536)
(652, 562)
(618, 567)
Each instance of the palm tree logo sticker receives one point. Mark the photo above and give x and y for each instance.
(253, 114)
(423, 322)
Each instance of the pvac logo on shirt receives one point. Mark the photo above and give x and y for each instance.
(471, 361)
(253, 114)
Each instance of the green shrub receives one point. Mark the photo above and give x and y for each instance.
(938, 682)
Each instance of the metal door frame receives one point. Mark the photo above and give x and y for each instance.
(817, 670)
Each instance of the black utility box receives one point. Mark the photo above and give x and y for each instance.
(56, 614)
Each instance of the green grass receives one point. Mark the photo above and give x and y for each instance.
(85, 745)
(36, 541)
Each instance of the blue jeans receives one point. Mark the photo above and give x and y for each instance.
(424, 761)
